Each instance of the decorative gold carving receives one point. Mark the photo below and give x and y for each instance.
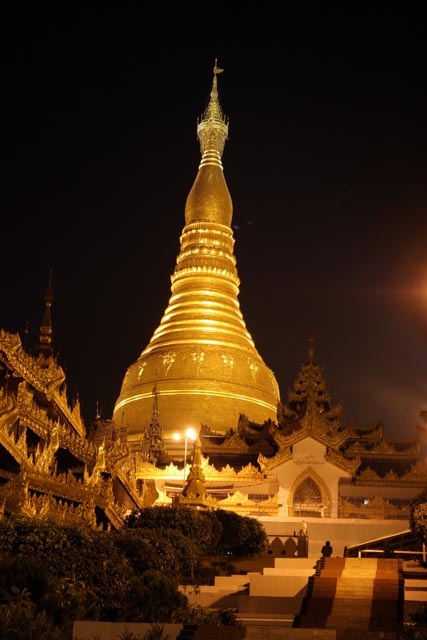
(243, 505)
(149, 471)
(307, 459)
(196, 500)
(368, 475)
(418, 473)
(235, 444)
(228, 361)
(116, 455)
(198, 357)
(9, 342)
(250, 471)
(39, 490)
(254, 368)
(336, 458)
(141, 367)
(375, 508)
(384, 447)
(391, 477)
(8, 410)
(168, 359)
(225, 475)
(416, 476)
(281, 457)
(370, 434)
(312, 426)
(49, 380)
(236, 498)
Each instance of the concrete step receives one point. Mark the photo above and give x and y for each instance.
(269, 620)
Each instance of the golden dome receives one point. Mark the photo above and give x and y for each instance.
(201, 359)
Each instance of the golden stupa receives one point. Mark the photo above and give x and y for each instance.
(201, 366)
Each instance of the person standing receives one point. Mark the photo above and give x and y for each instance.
(327, 549)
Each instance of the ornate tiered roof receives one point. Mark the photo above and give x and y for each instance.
(49, 467)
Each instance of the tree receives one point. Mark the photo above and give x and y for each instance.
(212, 532)
(201, 527)
(160, 550)
(418, 516)
(242, 536)
(89, 571)
(52, 574)
(154, 597)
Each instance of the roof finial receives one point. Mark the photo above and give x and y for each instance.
(311, 349)
(212, 129)
(44, 347)
(216, 69)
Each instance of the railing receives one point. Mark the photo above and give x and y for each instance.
(288, 545)
(373, 508)
(395, 552)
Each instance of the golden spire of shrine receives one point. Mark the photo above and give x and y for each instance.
(44, 347)
(209, 198)
(201, 356)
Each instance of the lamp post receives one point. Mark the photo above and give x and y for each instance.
(190, 434)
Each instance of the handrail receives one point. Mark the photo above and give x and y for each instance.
(395, 551)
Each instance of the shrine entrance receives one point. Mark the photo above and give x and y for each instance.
(309, 497)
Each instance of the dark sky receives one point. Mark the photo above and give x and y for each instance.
(326, 164)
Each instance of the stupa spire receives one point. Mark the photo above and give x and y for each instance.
(201, 356)
(212, 129)
(209, 198)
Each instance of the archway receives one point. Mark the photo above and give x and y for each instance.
(309, 496)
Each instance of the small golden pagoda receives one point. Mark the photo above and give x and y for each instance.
(194, 492)
(201, 358)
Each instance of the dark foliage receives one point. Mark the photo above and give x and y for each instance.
(51, 574)
(418, 516)
(212, 532)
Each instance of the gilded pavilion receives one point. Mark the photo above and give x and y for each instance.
(49, 467)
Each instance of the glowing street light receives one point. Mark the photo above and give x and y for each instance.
(190, 434)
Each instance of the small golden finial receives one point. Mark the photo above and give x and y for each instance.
(212, 128)
(311, 348)
(216, 69)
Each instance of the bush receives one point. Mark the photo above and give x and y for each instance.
(202, 615)
(22, 623)
(54, 574)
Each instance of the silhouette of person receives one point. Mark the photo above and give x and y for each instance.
(327, 549)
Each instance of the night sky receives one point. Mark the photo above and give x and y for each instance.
(326, 164)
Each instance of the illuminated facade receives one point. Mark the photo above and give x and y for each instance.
(252, 454)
